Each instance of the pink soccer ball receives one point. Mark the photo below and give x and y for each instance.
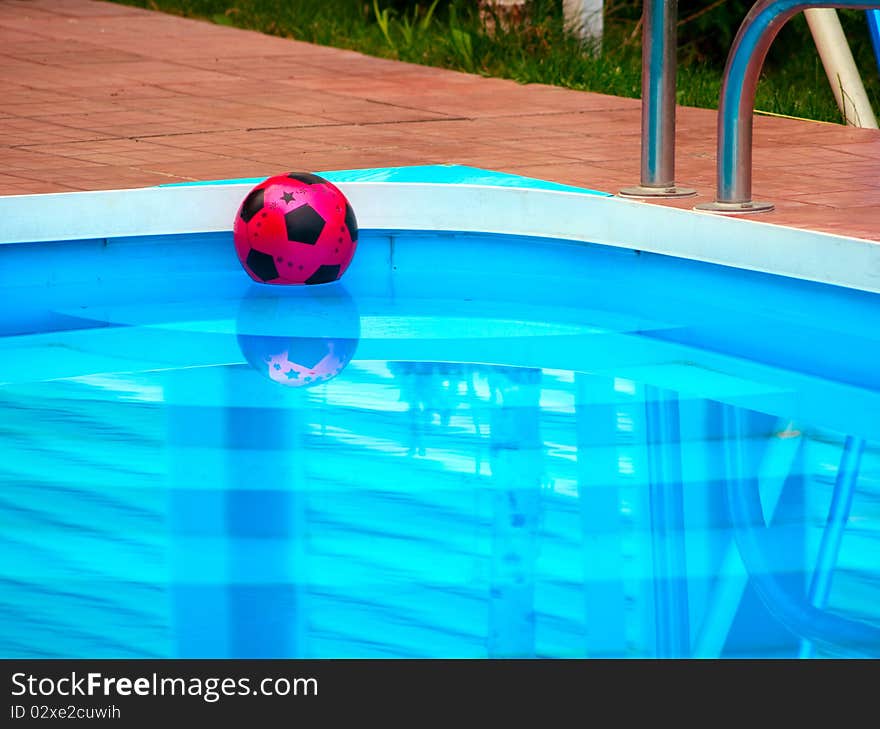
(296, 228)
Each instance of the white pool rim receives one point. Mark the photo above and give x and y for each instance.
(749, 244)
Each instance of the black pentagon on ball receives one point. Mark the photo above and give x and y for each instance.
(262, 264)
(307, 177)
(304, 225)
(324, 274)
(351, 223)
(252, 204)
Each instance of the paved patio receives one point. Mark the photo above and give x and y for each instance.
(97, 96)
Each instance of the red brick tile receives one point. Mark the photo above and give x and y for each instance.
(71, 8)
(13, 37)
(855, 197)
(866, 148)
(22, 95)
(99, 95)
(56, 111)
(781, 155)
(131, 94)
(13, 185)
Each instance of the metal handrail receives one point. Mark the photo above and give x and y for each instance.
(659, 42)
(744, 63)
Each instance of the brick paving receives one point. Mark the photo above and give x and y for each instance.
(95, 95)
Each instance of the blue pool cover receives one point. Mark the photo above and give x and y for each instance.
(434, 174)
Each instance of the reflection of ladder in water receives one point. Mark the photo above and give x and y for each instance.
(838, 514)
(650, 540)
(631, 496)
(612, 463)
(749, 558)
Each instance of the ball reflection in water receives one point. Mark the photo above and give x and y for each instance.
(298, 337)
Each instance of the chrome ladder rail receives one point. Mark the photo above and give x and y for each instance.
(744, 63)
(659, 41)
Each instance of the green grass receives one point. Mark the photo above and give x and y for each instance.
(450, 34)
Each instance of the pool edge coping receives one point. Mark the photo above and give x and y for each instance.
(743, 243)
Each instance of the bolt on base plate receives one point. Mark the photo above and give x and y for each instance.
(746, 208)
(743, 208)
(640, 191)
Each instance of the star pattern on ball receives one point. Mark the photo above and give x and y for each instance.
(295, 229)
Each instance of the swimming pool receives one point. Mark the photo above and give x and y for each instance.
(544, 444)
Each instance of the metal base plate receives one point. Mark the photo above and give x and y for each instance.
(746, 208)
(646, 192)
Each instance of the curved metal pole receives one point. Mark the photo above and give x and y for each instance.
(835, 524)
(744, 63)
(659, 47)
(838, 635)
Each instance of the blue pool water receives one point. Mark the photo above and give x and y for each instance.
(548, 450)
